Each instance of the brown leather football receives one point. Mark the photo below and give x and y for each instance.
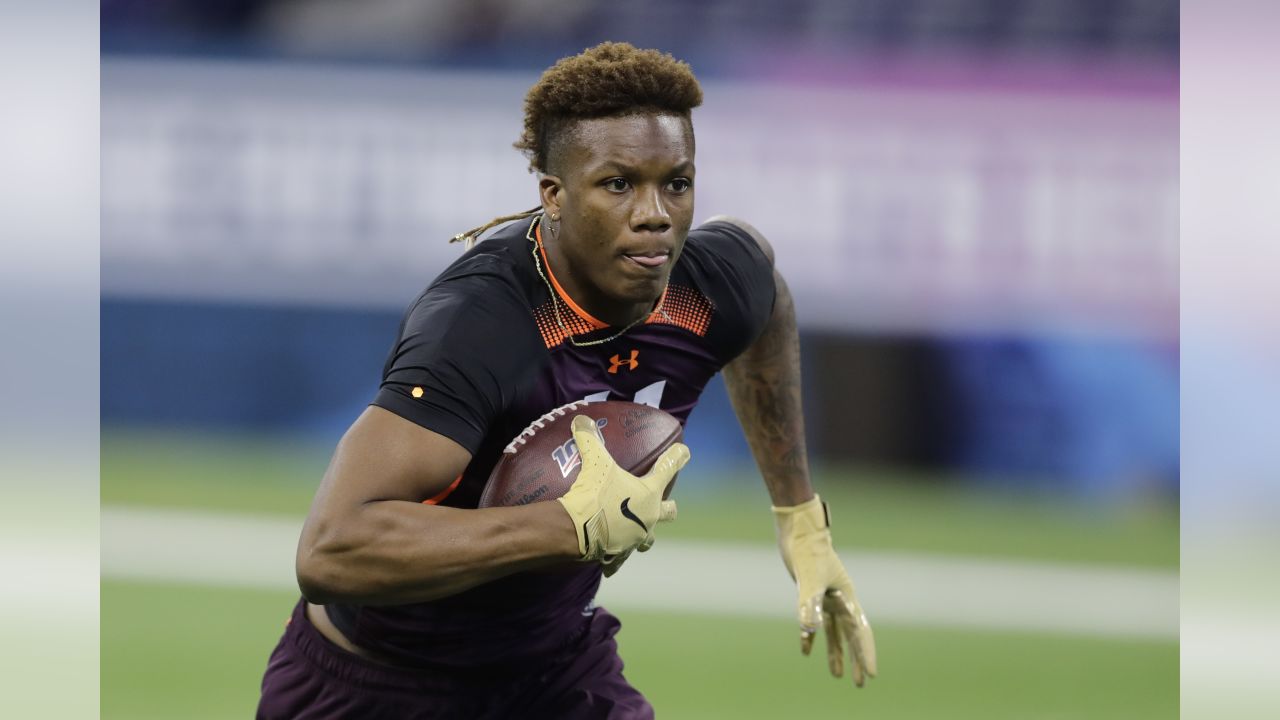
(542, 461)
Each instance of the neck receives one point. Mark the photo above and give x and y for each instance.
(583, 299)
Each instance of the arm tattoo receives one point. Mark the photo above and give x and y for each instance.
(764, 386)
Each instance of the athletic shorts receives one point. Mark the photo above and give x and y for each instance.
(309, 678)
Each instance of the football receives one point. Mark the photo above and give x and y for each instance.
(542, 461)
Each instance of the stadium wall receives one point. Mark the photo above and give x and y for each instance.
(986, 276)
(1095, 418)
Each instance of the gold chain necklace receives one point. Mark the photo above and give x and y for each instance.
(555, 298)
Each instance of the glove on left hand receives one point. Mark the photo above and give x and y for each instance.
(826, 595)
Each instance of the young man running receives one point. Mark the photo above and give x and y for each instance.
(419, 605)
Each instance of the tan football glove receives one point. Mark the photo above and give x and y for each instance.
(614, 511)
(826, 592)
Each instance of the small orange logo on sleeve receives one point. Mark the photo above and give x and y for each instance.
(630, 363)
(416, 392)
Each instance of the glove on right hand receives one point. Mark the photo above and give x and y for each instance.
(614, 511)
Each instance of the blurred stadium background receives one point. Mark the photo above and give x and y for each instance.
(975, 201)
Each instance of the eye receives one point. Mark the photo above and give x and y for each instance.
(617, 185)
(680, 185)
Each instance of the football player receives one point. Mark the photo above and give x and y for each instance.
(418, 604)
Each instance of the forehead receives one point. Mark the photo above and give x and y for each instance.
(631, 140)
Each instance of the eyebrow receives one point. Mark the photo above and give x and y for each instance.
(685, 166)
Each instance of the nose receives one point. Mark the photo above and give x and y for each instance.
(650, 213)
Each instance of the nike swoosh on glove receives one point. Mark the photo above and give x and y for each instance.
(614, 511)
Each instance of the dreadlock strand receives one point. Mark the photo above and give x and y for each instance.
(470, 236)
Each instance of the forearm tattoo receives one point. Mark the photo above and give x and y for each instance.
(764, 386)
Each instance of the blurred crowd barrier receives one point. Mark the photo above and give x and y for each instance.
(710, 32)
(985, 258)
(933, 210)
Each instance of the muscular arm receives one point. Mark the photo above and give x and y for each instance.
(370, 540)
(764, 386)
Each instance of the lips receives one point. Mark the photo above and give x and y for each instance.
(654, 259)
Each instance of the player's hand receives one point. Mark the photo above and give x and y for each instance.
(614, 564)
(827, 598)
(614, 511)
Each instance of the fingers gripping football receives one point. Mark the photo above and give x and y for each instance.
(613, 511)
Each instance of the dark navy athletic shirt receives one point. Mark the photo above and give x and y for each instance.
(481, 354)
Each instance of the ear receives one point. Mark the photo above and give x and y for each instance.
(550, 190)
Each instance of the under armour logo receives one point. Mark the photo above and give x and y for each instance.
(631, 364)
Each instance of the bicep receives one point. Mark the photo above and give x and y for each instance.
(385, 457)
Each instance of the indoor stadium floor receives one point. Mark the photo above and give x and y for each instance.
(193, 642)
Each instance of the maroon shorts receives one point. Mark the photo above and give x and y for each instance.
(309, 678)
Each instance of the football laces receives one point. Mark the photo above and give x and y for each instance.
(526, 434)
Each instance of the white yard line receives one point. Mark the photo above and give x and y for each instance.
(179, 546)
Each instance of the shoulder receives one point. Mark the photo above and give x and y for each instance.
(501, 258)
(466, 344)
(730, 263)
(496, 272)
(744, 228)
(482, 302)
(727, 245)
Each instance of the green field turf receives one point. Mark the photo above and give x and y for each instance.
(871, 510)
(171, 651)
(195, 653)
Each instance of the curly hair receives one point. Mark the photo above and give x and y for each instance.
(610, 79)
(607, 80)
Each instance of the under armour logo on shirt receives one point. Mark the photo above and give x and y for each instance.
(630, 364)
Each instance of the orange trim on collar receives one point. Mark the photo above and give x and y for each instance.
(595, 324)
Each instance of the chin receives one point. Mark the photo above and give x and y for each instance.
(641, 291)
